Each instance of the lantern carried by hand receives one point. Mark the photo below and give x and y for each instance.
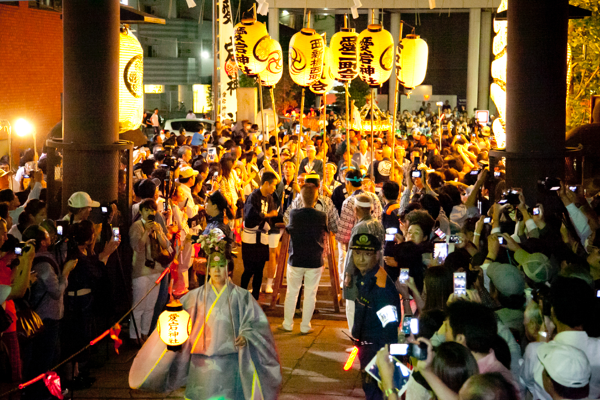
(375, 55)
(306, 57)
(271, 75)
(344, 55)
(411, 61)
(174, 326)
(251, 46)
(325, 83)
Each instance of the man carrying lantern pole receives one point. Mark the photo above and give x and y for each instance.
(230, 352)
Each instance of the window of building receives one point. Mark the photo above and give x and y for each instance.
(50, 5)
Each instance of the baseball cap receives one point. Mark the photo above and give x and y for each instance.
(81, 200)
(147, 188)
(536, 266)
(365, 241)
(486, 131)
(566, 365)
(310, 147)
(187, 172)
(506, 278)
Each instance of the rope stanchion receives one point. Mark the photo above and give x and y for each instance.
(109, 331)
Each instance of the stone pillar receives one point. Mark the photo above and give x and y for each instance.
(485, 53)
(91, 98)
(473, 58)
(536, 91)
(395, 31)
(274, 23)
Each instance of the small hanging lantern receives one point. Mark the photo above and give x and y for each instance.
(411, 61)
(325, 83)
(306, 57)
(131, 85)
(344, 55)
(271, 75)
(174, 326)
(251, 46)
(375, 55)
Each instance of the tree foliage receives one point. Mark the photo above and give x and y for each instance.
(584, 39)
(359, 91)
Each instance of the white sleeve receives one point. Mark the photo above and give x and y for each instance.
(580, 222)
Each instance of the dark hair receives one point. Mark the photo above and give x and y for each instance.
(267, 177)
(34, 206)
(148, 204)
(453, 192)
(249, 156)
(391, 190)
(566, 392)
(431, 204)
(226, 166)
(439, 286)
(308, 192)
(454, 364)
(501, 351)
(219, 200)
(430, 321)
(489, 386)
(148, 166)
(423, 219)
(408, 255)
(571, 300)
(476, 322)
(352, 174)
(82, 232)
(37, 233)
(4, 211)
(6, 196)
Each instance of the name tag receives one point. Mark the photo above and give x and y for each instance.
(387, 314)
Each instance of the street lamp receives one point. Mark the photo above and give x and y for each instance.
(24, 128)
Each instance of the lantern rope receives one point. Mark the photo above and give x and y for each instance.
(93, 342)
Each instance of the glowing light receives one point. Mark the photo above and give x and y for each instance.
(306, 57)
(174, 326)
(351, 358)
(201, 94)
(411, 61)
(376, 55)
(272, 74)
(205, 55)
(131, 85)
(251, 46)
(285, 13)
(344, 55)
(23, 128)
(154, 89)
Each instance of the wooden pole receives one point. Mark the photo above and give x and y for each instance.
(276, 134)
(373, 91)
(262, 113)
(395, 109)
(301, 133)
(346, 84)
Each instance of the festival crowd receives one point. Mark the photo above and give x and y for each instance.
(443, 268)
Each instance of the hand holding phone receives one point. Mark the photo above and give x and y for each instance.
(460, 283)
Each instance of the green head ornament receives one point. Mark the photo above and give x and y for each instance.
(217, 260)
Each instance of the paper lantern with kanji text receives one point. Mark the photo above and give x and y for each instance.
(375, 55)
(131, 84)
(306, 57)
(325, 83)
(344, 55)
(271, 75)
(411, 61)
(174, 326)
(251, 46)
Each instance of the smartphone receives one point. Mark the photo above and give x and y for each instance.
(260, 138)
(598, 293)
(440, 233)
(440, 251)
(398, 349)
(501, 240)
(503, 201)
(390, 237)
(406, 324)
(417, 160)
(298, 129)
(401, 372)
(474, 172)
(460, 283)
(403, 275)
(497, 174)
(59, 230)
(487, 220)
(418, 351)
(104, 210)
(116, 234)
(536, 211)
(454, 239)
(439, 103)
(416, 174)
(212, 154)
(18, 251)
(414, 326)
(573, 188)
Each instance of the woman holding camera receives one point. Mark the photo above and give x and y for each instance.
(145, 234)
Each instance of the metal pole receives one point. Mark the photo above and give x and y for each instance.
(395, 108)
(373, 91)
(276, 134)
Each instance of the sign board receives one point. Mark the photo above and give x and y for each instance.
(482, 116)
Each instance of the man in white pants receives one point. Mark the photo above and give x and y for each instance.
(307, 228)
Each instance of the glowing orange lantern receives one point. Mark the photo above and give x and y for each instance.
(344, 55)
(251, 46)
(411, 61)
(271, 75)
(174, 326)
(306, 57)
(131, 85)
(325, 83)
(375, 55)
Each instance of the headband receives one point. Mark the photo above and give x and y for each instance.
(356, 179)
(359, 203)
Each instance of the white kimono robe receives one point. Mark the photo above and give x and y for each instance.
(209, 364)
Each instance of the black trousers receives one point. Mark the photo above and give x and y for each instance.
(254, 256)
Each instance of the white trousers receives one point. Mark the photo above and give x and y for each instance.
(144, 312)
(341, 262)
(311, 276)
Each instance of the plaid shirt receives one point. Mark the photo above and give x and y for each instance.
(324, 204)
(348, 216)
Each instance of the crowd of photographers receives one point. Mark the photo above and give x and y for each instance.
(442, 266)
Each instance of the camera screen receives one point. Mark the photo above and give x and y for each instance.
(104, 209)
(403, 275)
(398, 349)
(416, 174)
(116, 231)
(487, 220)
(474, 172)
(573, 188)
(598, 293)
(59, 230)
(18, 251)
(536, 211)
(440, 250)
(414, 326)
(460, 283)
(440, 233)
(497, 174)
(389, 237)
(501, 240)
